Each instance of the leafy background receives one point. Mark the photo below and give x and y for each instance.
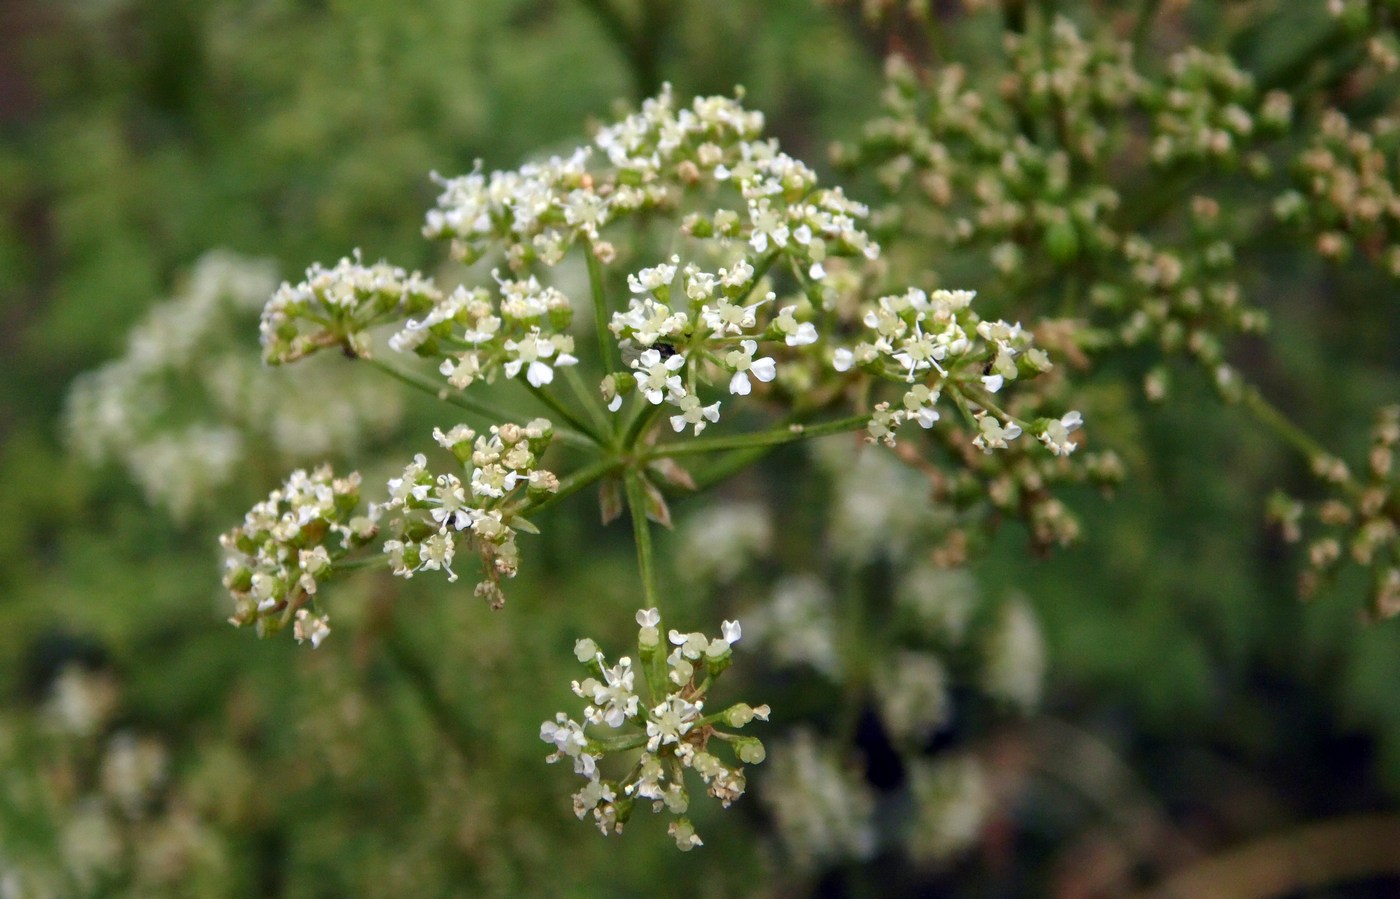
(136, 134)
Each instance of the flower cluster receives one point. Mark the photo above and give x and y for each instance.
(431, 516)
(288, 545)
(822, 808)
(338, 307)
(524, 334)
(925, 340)
(714, 319)
(662, 721)
(1185, 299)
(1361, 521)
(1207, 110)
(1347, 195)
(538, 211)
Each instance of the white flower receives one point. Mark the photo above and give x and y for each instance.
(307, 627)
(993, 433)
(918, 404)
(436, 553)
(795, 333)
(656, 377)
(670, 721)
(649, 279)
(684, 834)
(613, 699)
(744, 364)
(1056, 433)
(693, 413)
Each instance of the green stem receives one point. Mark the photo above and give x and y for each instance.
(567, 414)
(1142, 29)
(641, 530)
(444, 392)
(730, 465)
(639, 46)
(589, 400)
(1269, 415)
(619, 744)
(607, 346)
(793, 433)
(574, 483)
(983, 399)
(646, 416)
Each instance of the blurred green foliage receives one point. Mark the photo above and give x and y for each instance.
(136, 134)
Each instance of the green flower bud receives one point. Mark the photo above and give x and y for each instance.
(750, 750)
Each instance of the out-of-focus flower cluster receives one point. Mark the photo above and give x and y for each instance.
(659, 725)
(1347, 196)
(95, 809)
(913, 673)
(288, 545)
(1038, 178)
(186, 407)
(1360, 522)
(429, 517)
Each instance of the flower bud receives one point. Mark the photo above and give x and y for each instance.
(750, 750)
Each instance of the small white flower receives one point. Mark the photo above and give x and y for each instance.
(744, 364)
(993, 433)
(656, 377)
(1056, 434)
(308, 627)
(693, 413)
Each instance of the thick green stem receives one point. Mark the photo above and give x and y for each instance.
(641, 531)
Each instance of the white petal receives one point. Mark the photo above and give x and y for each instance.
(539, 374)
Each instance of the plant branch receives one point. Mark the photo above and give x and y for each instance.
(607, 346)
(641, 530)
(1269, 415)
(574, 483)
(443, 392)
(567, 414)
(794, 432)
